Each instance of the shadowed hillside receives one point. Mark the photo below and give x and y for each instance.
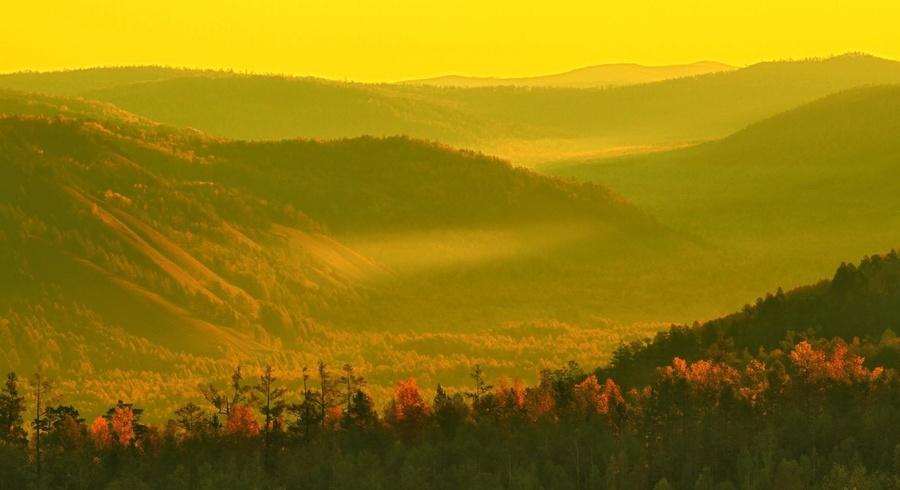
(799, 191)
(527, 125)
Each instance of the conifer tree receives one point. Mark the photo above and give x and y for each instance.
(12, 408)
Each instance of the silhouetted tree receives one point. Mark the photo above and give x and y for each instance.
(12, 409)
(192, 419)
(272, 405)
(482, 389)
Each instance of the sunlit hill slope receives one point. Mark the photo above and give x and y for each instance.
(133, 251)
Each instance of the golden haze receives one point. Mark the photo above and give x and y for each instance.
(387, 40)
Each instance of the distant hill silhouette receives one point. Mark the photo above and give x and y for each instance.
(599, 76)
(74, 82)
(527, 125)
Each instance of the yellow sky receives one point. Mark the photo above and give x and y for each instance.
(383, 40)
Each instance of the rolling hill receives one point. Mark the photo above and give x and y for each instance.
(804, 189)
(134, 252)
(526, 125)
(599, 76)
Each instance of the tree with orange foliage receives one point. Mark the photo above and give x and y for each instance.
(509, 401)
(242, 422)
(540, 402)
(706, 379)
(407, 412)
(122, 424)
(593, 398)
(816, 367)
(756, 385)
(100, 433)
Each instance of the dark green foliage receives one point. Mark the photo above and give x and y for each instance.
(12, 408)
(708, 425)
(860, 302)
(803, 414)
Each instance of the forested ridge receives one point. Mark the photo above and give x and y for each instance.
(745, 401)
(132, 250)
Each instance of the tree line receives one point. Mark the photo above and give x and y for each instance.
(811, 415)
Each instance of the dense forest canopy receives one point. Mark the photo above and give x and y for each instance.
(802, 411)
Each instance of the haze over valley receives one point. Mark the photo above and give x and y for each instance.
(588, 246)
(299, 249)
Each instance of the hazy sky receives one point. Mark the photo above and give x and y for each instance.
(375, 40)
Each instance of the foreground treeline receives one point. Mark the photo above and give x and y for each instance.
(811, 415)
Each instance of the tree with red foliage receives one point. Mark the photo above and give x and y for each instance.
(407, 412)
(242, 422)
(100, 433)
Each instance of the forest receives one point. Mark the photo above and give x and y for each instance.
(213, 279)
(746, 401)
(811, 416)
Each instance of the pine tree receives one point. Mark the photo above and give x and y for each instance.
(12, 409)
(41, 389)
(351, 383)
(360, 413)
(326, 392)
(192, 419)
(271, 404)
(224, 402)
(482, 389)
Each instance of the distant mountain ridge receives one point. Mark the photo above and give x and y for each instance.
(597, 76)
(524, 125)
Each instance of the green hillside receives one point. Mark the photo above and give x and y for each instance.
(133, 252)
(797, 192)
(375, 249)
(527, 125)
